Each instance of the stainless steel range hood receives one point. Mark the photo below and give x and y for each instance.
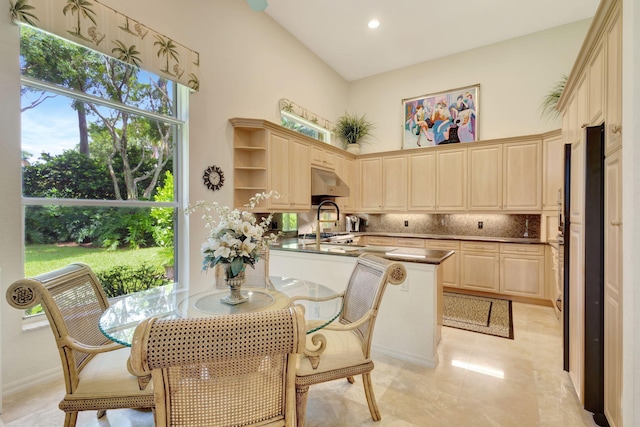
(327, 183)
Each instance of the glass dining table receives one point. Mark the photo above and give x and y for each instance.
(172, 301)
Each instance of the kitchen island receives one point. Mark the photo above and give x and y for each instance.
(410, 317)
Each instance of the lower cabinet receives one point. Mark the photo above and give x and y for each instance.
(522, 270)
(480, 266)
(499, 268)
(451, 266)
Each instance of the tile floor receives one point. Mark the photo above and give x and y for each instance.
(480, 381)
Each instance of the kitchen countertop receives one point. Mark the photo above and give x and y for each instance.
(418, 255)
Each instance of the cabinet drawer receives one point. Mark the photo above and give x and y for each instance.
(382, 241)
(515, 248)
(449, 245)
(480, 246)
(409, 242)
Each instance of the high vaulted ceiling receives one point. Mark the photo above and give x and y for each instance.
(414, 31)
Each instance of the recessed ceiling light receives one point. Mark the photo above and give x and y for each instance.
(374, 23)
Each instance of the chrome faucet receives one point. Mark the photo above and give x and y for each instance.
(319, 221)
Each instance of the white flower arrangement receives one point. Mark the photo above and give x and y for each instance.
(235, 238)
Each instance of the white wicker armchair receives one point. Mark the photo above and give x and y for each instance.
(227, 370)
(346, 344)
(95, 369)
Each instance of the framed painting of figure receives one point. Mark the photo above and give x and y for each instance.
(447, 117)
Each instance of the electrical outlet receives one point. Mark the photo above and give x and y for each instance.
(480, 225)
(406, 223)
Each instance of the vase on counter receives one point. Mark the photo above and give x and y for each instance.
(235, 286)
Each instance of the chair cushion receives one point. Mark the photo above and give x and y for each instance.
(106, 375)
(344, 349)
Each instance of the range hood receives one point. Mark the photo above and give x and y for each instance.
(327, 183)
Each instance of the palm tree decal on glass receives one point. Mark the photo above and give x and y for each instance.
(126, 54)
(82, 8)
(167, 49)
(20, 11)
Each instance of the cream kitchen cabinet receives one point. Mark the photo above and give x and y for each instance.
(553, 171)
(322, 158)
(485, 178)
(345, 168)
(596, 86)
(289, 173)
(383, 183)
(480, 266)
(522, 176)
(613, 288)
(576, 308)
(249, 164)
(451, 180)
(522, 270)
(422, 181)
(613, 84)
(451, 266)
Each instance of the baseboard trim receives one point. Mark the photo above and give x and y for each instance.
(32, 381)
(407, 357)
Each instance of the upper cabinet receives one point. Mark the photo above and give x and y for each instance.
(451, 181)
(596, 72)
(552, 170)
(323, 158)
(422, 181)
(522, 176)
(383, 183)
(485, 178)
(289, 173)
(613, 113)
(249, 164)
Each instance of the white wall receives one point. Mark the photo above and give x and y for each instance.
(514, 76)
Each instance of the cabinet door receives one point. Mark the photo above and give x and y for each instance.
(279, 161)
(552, 172)
(522, 176)
(480, 271)
(522, 275)
(613, 120)
(371, 184)
(577, 180)
(422, 182)
(613, 288)
(322, 158)
(394, 183)
(451, 195)
(576, 309)
(299, 176)
(451, 266)
(485, 178)
(596, 86)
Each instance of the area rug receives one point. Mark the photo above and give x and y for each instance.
(490, 316)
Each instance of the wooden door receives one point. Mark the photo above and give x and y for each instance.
(394, 183)
(613, 289)
(522, 176)
(371, 184)
(485, 178)
(422, 182)
(451, 194)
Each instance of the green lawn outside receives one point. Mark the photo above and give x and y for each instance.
(43, 258)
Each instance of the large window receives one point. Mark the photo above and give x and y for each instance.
(100, 145)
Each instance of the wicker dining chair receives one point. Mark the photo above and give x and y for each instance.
(346, 343)
(95, 369)
(228, 370)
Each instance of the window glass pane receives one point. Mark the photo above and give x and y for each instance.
(125, 156)
(304, 127)
(48, 58)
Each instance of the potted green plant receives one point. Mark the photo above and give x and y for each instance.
(353, 130)
(550, 100)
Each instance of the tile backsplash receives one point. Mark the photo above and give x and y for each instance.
(493, 225)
